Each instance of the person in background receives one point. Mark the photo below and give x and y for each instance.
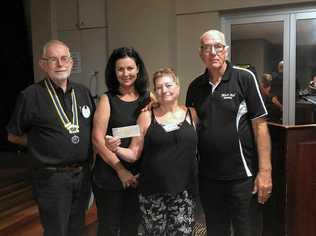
(265, 84)
(277, 82)
(274, 107)
(53, 119)
(234, 142)
(312, 86)
(115, 180)
(167, 145)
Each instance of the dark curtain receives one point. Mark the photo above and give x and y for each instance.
(16, 61)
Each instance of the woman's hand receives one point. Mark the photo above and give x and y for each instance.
(112, 143)
(127, 178)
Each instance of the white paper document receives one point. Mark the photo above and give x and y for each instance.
(170, 127)
(126, 131)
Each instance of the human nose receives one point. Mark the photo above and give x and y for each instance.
(60, 62)
(213, 51)
(164, 88)
(125, 72)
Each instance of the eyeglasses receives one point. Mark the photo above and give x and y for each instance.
(208, 48)
(54, 60)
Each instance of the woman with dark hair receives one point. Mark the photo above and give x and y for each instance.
(111, 79)
(115, 180)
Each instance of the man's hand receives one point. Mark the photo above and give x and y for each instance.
(20, 140)
(263, 186)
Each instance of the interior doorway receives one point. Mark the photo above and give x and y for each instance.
(279, 46)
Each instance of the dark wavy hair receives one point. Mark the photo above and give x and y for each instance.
(111, 81)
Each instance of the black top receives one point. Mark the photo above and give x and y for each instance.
(122, 114)
(169, 160)
(226, 144)
(48, 142)
(277, 86)
(274, 112)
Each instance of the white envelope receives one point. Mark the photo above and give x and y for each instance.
(126, 131)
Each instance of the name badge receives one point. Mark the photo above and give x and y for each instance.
(85, 110)
(170, 127)
(126, 131)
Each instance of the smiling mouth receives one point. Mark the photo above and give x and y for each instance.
(214, 61)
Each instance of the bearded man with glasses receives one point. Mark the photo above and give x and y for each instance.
(234, 142)
(53, 119)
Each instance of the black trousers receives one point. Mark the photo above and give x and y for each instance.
(62, 199)
(230, 205)
(118, 212)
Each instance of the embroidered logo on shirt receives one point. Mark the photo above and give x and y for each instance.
(228, 95)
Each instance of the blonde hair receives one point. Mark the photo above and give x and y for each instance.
(163, 72)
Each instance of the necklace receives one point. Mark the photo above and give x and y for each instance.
(72, 127)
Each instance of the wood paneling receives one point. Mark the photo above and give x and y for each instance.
(291, 210)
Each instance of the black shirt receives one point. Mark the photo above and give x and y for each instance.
(277, 86)
(48, 142)
(274, 112)
(169, 164)
(226, 144)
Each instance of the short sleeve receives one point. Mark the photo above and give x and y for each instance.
(20, 120)
(189, 98)
(255, 104)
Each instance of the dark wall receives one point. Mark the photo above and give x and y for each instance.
(16, 64)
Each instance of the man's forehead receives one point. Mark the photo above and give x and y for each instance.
(213, 38)
(55, 48)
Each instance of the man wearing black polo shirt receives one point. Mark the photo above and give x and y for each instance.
(53, 119)
(234, 142)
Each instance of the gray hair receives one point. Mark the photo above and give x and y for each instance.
(53, 42)
(216, 33)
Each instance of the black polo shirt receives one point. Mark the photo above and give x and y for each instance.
(48, 142)
(226, 142)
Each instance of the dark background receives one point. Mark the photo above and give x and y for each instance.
(16, 61)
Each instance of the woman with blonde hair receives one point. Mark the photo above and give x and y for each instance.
(167, 145)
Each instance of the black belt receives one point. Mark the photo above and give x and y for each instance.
(65, 168)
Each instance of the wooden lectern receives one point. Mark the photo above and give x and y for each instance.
(291, 210)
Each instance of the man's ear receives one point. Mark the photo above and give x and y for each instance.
(200, 54)
(226, 51)
(42, 64)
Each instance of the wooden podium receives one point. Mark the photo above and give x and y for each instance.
(291, 210)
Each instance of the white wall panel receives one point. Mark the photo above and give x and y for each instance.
(189, 30)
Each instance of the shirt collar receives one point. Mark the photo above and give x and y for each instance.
(228, 71)
(68, 89)
(225, 77)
